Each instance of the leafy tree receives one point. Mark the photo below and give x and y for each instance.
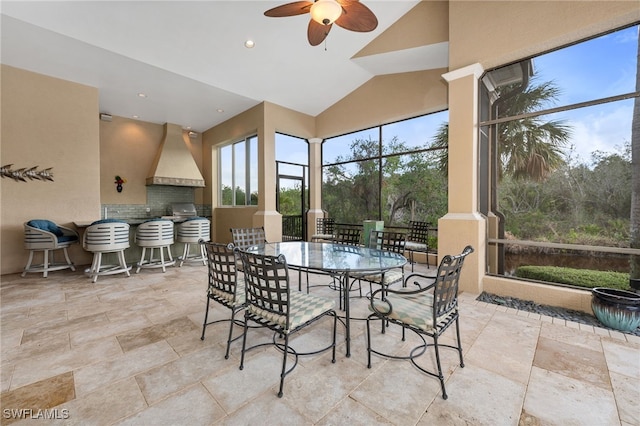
(529, 148)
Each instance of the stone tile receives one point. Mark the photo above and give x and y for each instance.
(233, 387)
(161, 381)
(6, 372)
(581, 338)
(193, 406)
(627, 394)
(267, 409)
(51, 345)
(46, 365)
(99, 374)
(108, 329)
(142, 337)
(41, 395)
(572, 361)
(104, 406)
(379, 392)
(506, 346)
(622, 358)
(350, 412)
(498, 404)
(554, 399)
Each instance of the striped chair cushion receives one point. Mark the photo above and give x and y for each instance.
(416, 311)
(412, 245)
(240, 293)
(390, 277)
(302, 308)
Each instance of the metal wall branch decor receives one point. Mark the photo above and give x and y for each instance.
(26, 174)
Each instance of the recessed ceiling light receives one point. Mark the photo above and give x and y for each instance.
(220, 110)
(135, 116)
(142, 95)
(249, 44)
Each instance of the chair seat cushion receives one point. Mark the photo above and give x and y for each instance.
(415, 246)
(302, 308)
(414, 310)
(228, 297)
(390, 277)
(67, 238)
(98, 222)
(323, 236)
(46, 225)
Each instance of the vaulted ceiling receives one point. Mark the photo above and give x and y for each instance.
(189, 59)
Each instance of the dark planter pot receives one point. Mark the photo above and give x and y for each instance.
(617, 309)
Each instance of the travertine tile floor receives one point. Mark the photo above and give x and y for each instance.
(128, 351)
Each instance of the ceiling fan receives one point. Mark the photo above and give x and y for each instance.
(348, 14)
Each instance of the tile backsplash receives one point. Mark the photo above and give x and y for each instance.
(159, 200)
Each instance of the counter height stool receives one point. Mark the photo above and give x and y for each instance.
(155, 234)
(191, 231)
(106, 236)
(46, 236)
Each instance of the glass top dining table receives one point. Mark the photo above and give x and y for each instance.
(336, 259)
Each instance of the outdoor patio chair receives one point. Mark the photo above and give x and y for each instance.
(387, 241)
(47, 237)
(243, 238)
(417, 240)
(325, 228)
(347, 235)
(273, 304)
(226, 286)
(427, 311)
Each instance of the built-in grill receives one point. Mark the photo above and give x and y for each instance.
(180, 211)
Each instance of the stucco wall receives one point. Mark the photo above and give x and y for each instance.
(47, 122)
(494, 33)
(128, 149)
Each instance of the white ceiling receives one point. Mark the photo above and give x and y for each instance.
(189, 58)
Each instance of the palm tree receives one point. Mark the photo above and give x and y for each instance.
(528, 147)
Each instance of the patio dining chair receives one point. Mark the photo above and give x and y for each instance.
(347, 235)
(417, 240)
(271, 303)
(243, 238)
(427, 311)
(325, 228)
(387, 241)
(226, 286)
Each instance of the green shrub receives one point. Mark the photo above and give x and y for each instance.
(577, 277)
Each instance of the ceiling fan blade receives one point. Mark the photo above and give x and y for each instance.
(356, 17)
(316, 33)
(290, 9)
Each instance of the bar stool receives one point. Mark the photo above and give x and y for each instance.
(106, 236)
(155, 234)
(191, 231)
(47, 237)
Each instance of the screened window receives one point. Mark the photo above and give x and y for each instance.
(556, 135)
(393, 172)
(239, 173)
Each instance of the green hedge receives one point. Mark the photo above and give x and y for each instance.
(577, 277)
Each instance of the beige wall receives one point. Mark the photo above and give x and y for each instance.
(128, 149)
(47, 122)
(494, 33)
(385, 99)
(264, 120)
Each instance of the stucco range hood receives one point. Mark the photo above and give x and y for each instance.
(174, 165)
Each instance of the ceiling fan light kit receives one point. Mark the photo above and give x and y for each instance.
(348, 14)
(326, 12)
